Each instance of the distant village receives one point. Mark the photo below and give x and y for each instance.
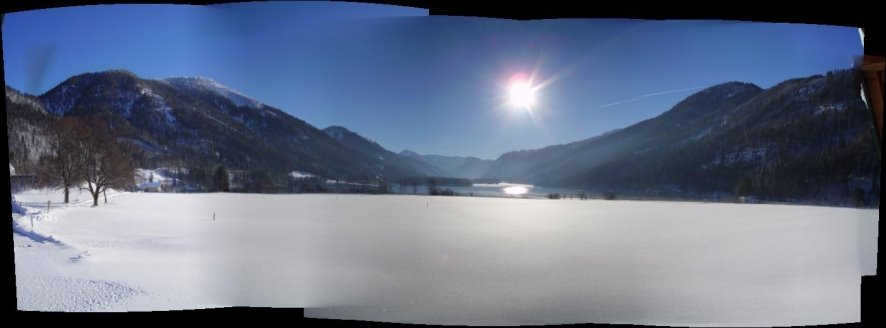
(163, 180)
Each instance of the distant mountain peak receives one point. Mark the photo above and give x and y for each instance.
(353, 139)
(732, 88)
(339, 133)
(208, 84)
(453, 166)
(371, 148)
(19, 97)
(336, 128)
(408, 153)
(122, 71)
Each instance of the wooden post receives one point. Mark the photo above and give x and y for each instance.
(48, 202)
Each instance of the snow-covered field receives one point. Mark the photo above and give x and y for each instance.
(449, 260)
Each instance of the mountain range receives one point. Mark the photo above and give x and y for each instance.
(393, 162)
(453, 166)
(194, 121)
(803, 140)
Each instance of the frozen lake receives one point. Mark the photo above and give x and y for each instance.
(509, 190)
(453, 260)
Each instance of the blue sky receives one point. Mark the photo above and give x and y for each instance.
(410, 81)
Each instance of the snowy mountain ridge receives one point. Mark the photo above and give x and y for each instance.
(205, 83)
(20, 98)
(195, 122)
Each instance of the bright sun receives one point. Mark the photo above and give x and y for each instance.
(521, 93)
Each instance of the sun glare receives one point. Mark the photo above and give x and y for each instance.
(521, 93)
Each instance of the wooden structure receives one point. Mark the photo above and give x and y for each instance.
(872, 67)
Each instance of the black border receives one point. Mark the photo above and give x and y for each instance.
(858, 14)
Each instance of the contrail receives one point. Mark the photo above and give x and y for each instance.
(649, 95)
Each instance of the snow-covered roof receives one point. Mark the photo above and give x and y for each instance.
(297, 174)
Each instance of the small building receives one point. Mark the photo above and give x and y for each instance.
(19, 181)
(150, 187)
(167, 183)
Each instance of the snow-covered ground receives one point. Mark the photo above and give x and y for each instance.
(36, 199)
(450, 260)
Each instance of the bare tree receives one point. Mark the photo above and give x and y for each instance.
(106, 163)
(62, 167)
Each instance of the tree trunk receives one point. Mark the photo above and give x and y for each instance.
(67, 191)
(95, 198)
(105, 193)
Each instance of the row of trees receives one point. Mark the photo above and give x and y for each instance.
(85, 154)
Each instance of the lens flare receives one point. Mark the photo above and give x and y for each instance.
(521, 92)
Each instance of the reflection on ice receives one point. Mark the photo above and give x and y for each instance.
(515, 190)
